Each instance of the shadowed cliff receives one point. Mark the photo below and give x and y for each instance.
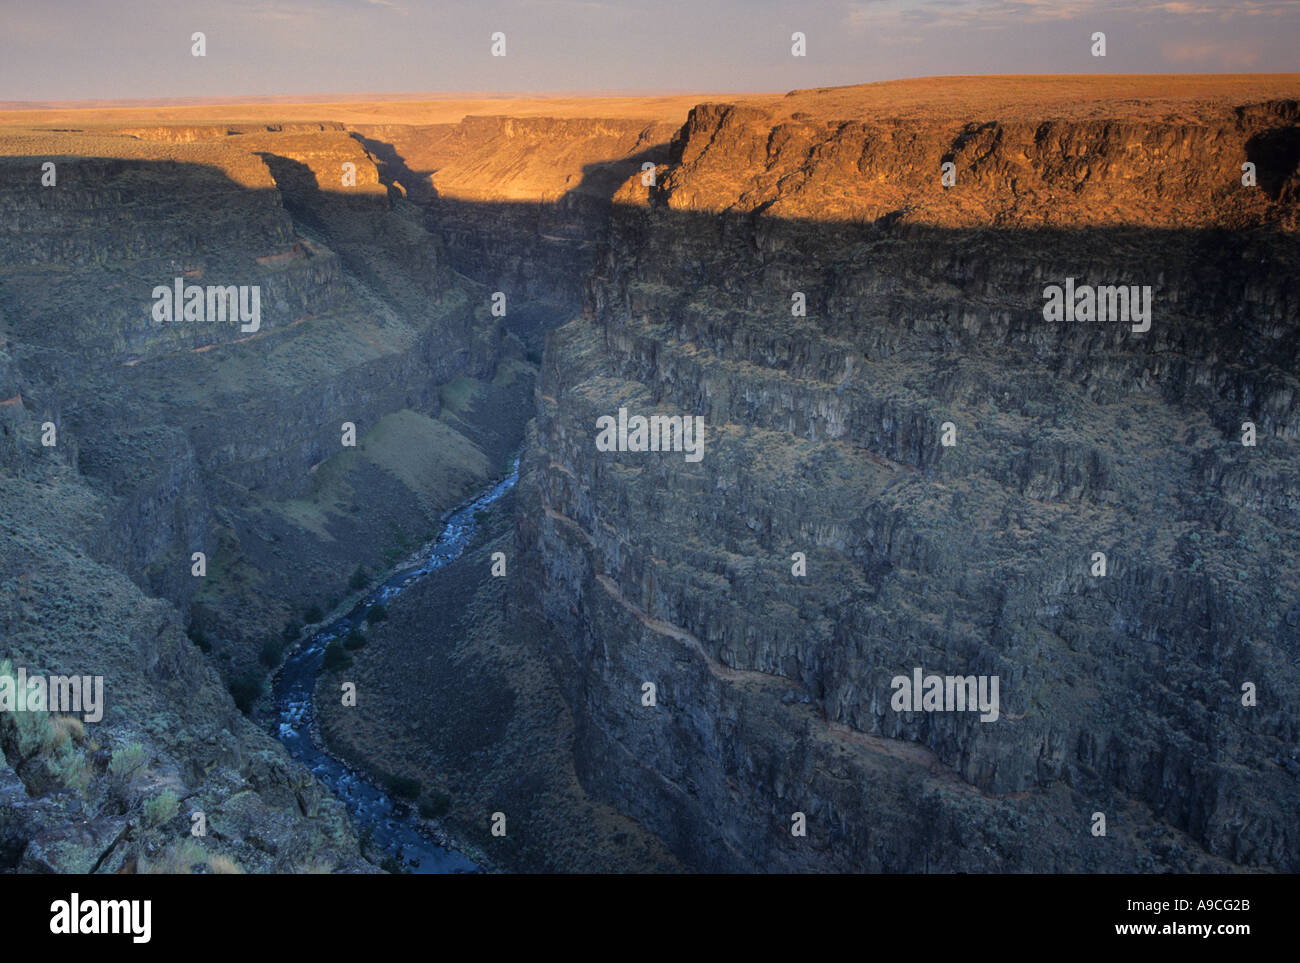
(192, 435)
(1122, 693)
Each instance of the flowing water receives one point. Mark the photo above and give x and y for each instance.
(393, 825)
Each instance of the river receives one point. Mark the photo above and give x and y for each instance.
(393, 825)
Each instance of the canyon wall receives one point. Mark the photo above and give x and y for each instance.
(1121, 693)
(521, 204)
(173, 436)
(210, 437)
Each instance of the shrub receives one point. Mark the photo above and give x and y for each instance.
(404, 787)
(313, 614)
(128, 761)
(246, 689)
(53, 736)
(355, 639)
(36, 733)
(335, 658)
(272, 651)
(162, 808)
(198, 637)
(359, 580)
(69, 727)
(73, 771)
(378, 613)
(33, 731)
(292, 629)
(435, 804)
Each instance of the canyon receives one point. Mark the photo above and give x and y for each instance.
(886, 404)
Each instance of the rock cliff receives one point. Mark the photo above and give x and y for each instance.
(175, 435)
(521, 203)
(1121, 693)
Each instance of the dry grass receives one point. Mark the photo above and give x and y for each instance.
(224, 866)
(177, 860)
(68, 728)
(315, 867)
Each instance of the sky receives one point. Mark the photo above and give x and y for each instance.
(97, 49)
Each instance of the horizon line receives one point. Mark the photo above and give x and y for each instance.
(234, 100)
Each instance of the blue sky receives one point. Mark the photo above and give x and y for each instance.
(75, 49)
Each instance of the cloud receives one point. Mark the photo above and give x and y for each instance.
(1181, 7)
(301, 10)
(975, 14)
(581, 5)
(962, 14)
(1209, 56)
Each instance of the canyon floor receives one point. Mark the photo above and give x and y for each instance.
(466, 279)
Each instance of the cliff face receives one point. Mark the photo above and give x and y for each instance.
(206, 434)
(520, 203)
(1120, 693)
(184, 434)
(1021, 173)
